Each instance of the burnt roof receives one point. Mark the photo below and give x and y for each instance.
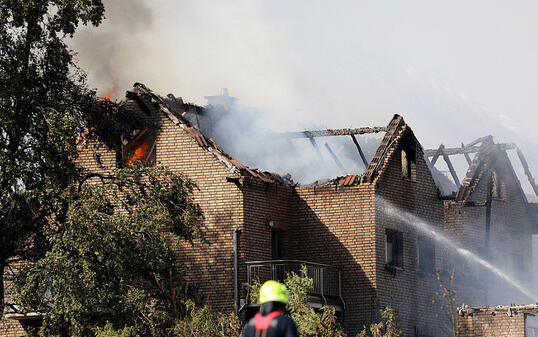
(176, 110)
(487, 154)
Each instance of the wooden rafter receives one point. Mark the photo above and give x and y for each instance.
(452, 171)
(336, 160)
(363, 158)
(527, 171)
(315, 145)
(466, 154)
(437, 154)
(465, 150)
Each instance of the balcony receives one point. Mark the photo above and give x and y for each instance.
(327, 279)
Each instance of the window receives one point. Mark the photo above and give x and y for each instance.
(426, 254)
(276, 244)
(394, 248)
(138, 146)
(408, 155)
(408, 164)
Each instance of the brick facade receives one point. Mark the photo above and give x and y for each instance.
(341, 224)
(500, 321)
(409, 291)
(505, 239)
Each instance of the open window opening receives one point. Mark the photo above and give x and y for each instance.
(138, 146)
(426, 254)
(408, 155)
(394, 248)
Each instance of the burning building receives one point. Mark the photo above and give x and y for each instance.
(260, 225)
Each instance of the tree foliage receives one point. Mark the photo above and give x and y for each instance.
(44, 106)
(111, 258)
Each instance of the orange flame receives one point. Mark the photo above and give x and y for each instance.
(111, 93)
(139, 154)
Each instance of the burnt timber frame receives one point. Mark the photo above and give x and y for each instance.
(311, 134)
(472, 147)
(333, 132)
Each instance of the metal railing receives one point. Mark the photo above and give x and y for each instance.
(327, 279)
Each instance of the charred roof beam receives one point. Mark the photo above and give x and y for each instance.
(465, 150)
(487, 139)
(436, 154)
(360, 151)
(332, 132)
(527, 171)
(467, 157)
(452, 171)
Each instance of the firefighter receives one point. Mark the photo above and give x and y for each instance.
(270, 321)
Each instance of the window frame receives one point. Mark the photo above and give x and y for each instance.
(426, 254)
(395, 238)
(128, 147)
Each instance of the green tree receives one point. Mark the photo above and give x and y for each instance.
(111, 258)
(44, 106)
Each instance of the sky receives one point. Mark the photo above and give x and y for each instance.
(455, 70)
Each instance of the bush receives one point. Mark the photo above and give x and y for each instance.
(322, 323)
(202, 322)
(386, 328)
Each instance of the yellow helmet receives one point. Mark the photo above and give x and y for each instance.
(272, 291)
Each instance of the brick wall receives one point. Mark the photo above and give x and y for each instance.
(335, 225)
(408, 290)
(497, 321)
(16, 328)
(510, 239)
(208, 262)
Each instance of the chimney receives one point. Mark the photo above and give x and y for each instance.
(224, 100)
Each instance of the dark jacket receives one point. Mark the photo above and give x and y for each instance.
(281, 326)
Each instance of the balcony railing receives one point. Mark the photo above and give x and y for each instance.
(327, 280)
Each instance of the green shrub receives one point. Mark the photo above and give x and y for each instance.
(386, 328)
(109, 331)
(202, 322)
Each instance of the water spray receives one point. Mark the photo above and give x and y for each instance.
(421, 225)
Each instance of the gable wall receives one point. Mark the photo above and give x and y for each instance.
(208, 263)
(408, 291)
(510, 238)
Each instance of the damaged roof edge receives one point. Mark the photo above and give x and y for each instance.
(175, 112)
(141, 91)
